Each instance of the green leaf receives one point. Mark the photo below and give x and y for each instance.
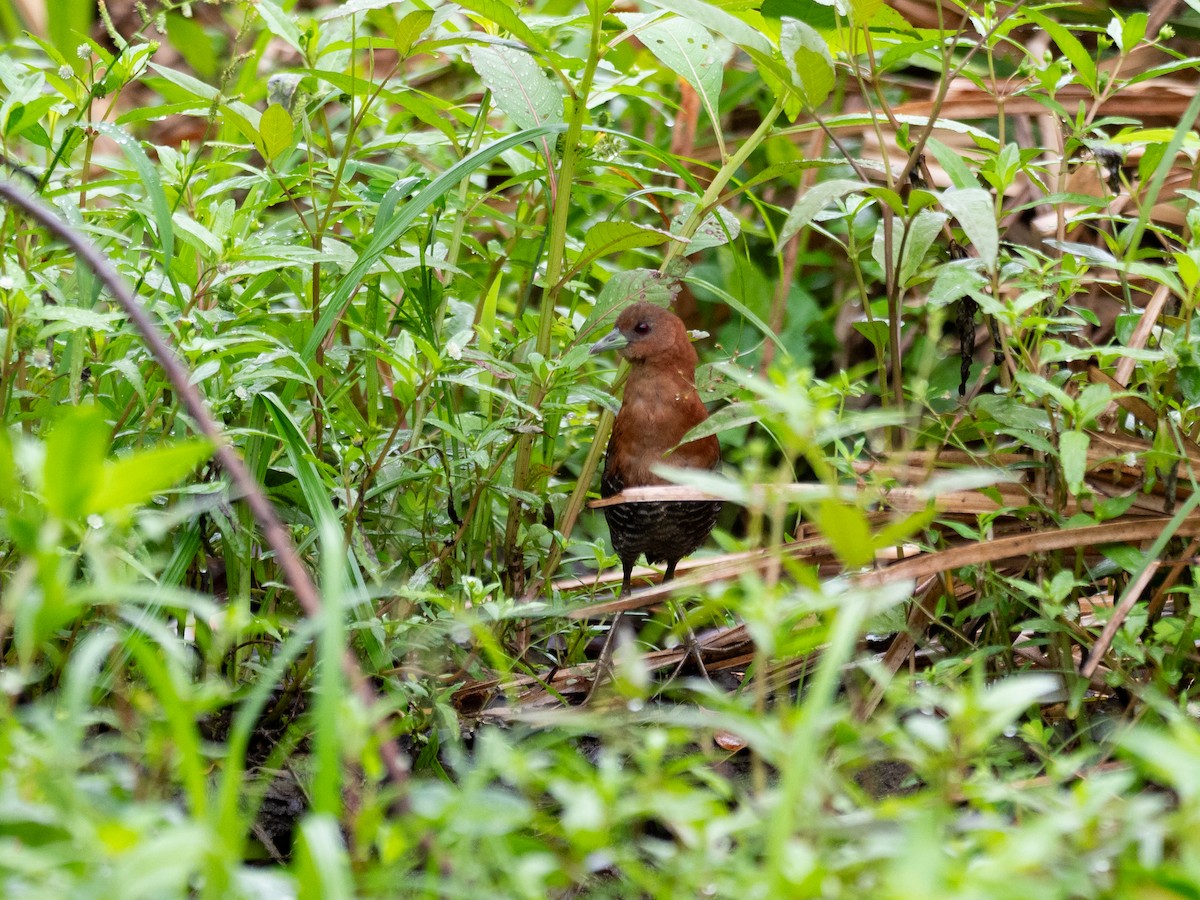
(863, 12)
(875, 331)
(410, 28)
(75, 452)
(191, 86)
(277, 131)
(281, 24)
(613, 237)
(518, 85)
(194, 44)
(507, 18)
(952, 163)
(913, 242)
(692, 53)
(847, 530)
(152, 182)
(808, 61)
(1071, 47)
(1072, 448)
(741, 309)
(718, 228)
(975, 213)
(815, 199)
(135, 479)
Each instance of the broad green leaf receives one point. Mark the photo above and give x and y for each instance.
(864, 11)
(277, 131)
(975, 213)
(613, 237)
(692, 53)
(75, 452)
(519, 85)
(1072, 448)
(194, 44)
(815, 199)
(135, 479)
(808, 61)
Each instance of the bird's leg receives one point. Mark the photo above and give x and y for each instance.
(604, 663)
(689, 636)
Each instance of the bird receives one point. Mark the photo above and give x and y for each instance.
(659, 407)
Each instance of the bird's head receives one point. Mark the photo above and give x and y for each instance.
(645, 331)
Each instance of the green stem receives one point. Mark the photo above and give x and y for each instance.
(720, 181)
(555, 259)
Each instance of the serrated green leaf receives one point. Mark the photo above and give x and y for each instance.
(718, 228)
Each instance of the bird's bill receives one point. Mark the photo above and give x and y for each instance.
(614, 340)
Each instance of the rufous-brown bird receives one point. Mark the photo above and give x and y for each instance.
(660, 406)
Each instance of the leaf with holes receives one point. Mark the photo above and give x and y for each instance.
(692, 53)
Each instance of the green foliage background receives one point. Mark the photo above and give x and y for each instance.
(382, 237)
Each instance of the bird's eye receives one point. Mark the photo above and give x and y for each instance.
(642, 328)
